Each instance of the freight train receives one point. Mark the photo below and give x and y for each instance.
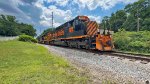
(80, 32)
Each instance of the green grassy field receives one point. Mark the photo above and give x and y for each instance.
(23, 62)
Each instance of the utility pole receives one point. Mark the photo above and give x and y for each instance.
(138, 24)
(52, 19)
(138, 21)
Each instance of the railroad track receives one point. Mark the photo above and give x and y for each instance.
(143, 58)
(122, 55)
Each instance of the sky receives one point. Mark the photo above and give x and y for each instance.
(38, 12)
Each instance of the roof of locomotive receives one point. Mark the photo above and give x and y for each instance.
(82, 17)
(78, 17)
(61, 26)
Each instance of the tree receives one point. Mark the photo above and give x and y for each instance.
(130, 24)
(115, 21)
(27, 29)
(140, 9)
(146, 24)
(131, 16)
(105, 23)
(9, 26)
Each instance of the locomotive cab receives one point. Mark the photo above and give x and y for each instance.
(76, 27)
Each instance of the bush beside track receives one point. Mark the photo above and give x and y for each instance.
(136, 42)
(24, 62)
(27, 38)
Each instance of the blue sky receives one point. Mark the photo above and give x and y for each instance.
(38, 12)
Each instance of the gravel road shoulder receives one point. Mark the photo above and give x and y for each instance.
(102, 67)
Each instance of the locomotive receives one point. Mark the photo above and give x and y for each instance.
(80, 32)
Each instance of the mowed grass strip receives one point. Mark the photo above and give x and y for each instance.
(23, 62)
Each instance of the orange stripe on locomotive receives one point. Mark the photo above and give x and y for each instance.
(92, 27)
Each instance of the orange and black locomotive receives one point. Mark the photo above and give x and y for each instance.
(79, 33)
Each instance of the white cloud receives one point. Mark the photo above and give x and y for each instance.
(47, 23)
(39, 4)
(64, 15)
(90, 4)
(60, 16)
(13, 9)
(104, 4)
(17, 2)
(1, 10)
(86, 3)
(95, 18)
(62, 2)
(58, 2)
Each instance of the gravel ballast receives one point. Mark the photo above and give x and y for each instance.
(103, 67)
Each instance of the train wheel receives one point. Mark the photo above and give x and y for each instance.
(79, 46)
(70, 45)
(76, 46)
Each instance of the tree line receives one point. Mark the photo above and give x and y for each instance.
(134, 17)
(9, 26)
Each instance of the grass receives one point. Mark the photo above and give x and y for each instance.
(23, 62)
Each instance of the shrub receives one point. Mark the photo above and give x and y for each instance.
(121, 40)
(27, 38)
(132, 41)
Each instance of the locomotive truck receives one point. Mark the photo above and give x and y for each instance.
(80, 32)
